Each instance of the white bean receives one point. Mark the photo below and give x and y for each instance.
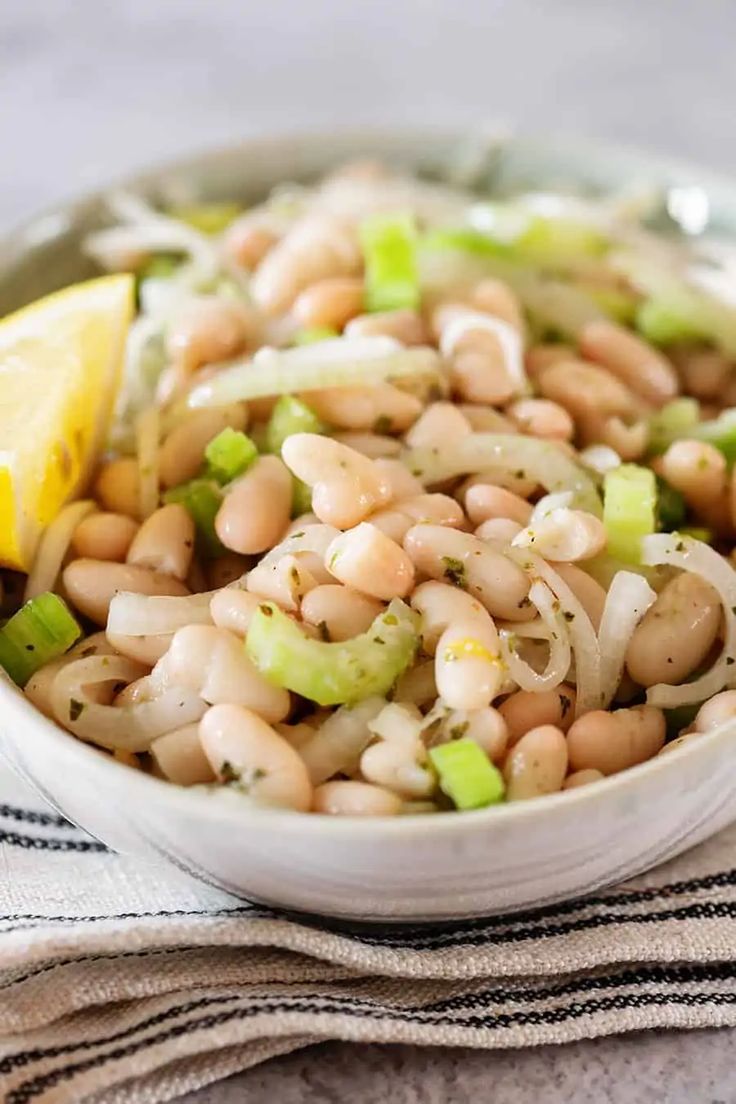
(468, 668)
(612, 742)
(182, 453)
(256, 508)
(180, 757)
(527, 709)
(92, 584)
(380, 407)
(346, 486)
(717, 711)
(249, 755)
(676, 633)
(343, 612)
(367, 560)
(165, 542)
(537, 764)
(355, 799)
(439, 604)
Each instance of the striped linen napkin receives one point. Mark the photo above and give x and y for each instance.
(121, 982)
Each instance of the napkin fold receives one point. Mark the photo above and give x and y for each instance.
(122, 981)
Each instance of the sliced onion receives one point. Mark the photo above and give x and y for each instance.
(339, 362)
(312, 538)
(579, 626)
(558, 635)
(53, 547)
(157, 614)
(699, 558)
(628, 599)
(118, 728)
(541, 461)
(469, 321)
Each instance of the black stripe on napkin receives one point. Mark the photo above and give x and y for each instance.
(483, 1014)
(35, 816)
(47, 843)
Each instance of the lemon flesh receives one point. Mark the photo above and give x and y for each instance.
(60, 367)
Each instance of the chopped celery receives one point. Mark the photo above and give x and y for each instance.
(202, 498)
(676, 419)
(301, 497)
(463, 240)
(467, 775)
(720, 432)
(228, 455)
(208, 218)
(333, 674)
(697, 532)
(671, 508)
(615, 302)
(629, 509)
(42, 630)
(389, 245)
(316, 333)
(160, 266)
(659, 322)
(289, 416)
(550, 240)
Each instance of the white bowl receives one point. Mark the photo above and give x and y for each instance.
(414, 868)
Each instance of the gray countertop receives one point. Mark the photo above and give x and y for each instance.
(89, 89)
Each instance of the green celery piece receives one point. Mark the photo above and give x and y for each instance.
(614, 302)
(43, 629)
(465, 240)
(697, 532)
(720, 432)
(290, 415)
(550, 241)
(314, 334)
(389, 244)
(467, 775)
(301, 497)
(671, 507)
(333, 674)
(629, 510)
(208, 218)
(659, 322)
(228, 455)
(676, 419)
(160, 266)
(202, 498)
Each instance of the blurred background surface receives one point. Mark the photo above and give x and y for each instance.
(92, 88)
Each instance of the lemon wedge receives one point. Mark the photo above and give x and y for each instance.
(60, 367)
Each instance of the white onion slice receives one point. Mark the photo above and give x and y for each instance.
(558, 635)
(695, 556)
(541, 461)
(512, 348)
(338, 362)
(628, 599)
(126, 727)
(582, 635)
(312, 538)
(157, 614)
(53, 547)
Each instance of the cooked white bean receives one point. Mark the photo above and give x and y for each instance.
(207, 328)
(440, 424)
(439, 604)
(589, 393)
(588, 591)
(116, 486)
(393, 523)
(255, 510)
(373, 445)
(318, 246)
(143, 649)
(92, 584)
(380, 407)
(165, 542)
(367, 560)
(542, 418)
(471, 564)
(612, 742)
(181, 455)
(485, 419)
(249, 755)
(527, 709)
(346, 486)
(537, 764)
(715, 712)
(232, 608)
(468, 668)
(329, 303)
(339, 741)
(399, 479)
(248, 239)
(398, 759)
(180, 757)
(697, 470)
(485, 727)
(501, 530)
(355, 799)
(213, 662)
(584, 778)
(343, 612)
(432, 509)
(284, 582)
(417, 685)
(676, 633)
(406, 326)
(484, 501)
(639, 365)
(104, 536)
